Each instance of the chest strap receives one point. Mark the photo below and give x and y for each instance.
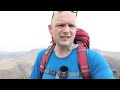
(53, 72)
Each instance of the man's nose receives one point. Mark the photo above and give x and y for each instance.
(66, 29)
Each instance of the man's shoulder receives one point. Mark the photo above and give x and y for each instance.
(41, 52)
(92, 52)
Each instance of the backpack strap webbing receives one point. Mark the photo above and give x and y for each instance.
(82, 60)
(53, 72)
(45, 59)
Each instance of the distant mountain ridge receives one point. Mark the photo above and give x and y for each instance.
(17, 65)
(115, 55)
(4, 55)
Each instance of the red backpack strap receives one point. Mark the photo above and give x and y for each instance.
(45, 59)
(82, 60)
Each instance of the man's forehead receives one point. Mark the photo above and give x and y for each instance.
(63, 16)
(57, 12)
(75, 12)
(65, 20)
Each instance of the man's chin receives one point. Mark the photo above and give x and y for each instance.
(65, 44)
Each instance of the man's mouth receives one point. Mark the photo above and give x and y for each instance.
(64, 38)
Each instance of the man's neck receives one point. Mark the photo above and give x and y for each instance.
(62, 51)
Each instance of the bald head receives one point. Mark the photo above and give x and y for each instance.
(63, 16)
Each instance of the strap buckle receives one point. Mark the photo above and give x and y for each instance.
(53, 72)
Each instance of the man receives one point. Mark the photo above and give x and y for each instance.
(63, 30)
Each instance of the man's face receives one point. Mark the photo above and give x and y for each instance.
(63, 28)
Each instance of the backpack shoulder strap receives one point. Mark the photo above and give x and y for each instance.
(82, 60)
(45, 59)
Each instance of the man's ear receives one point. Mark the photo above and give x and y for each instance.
(50, 29)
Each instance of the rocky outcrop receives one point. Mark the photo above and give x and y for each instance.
(9, 70)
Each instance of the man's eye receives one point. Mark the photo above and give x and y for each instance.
(61, 25)
(71, 26)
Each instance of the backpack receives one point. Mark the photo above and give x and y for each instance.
(82, 39)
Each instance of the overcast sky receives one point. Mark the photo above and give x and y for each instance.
(25, 30)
